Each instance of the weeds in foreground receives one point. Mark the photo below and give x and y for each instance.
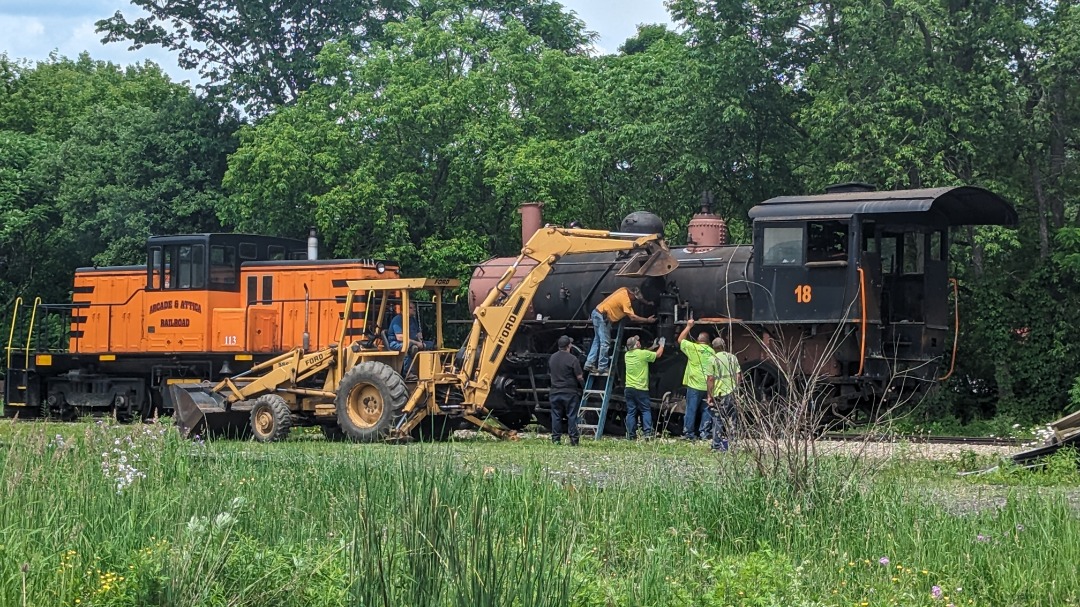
(480, 523)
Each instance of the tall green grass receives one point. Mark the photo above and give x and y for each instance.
(487, 523)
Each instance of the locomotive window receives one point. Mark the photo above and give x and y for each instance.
(826, 241)
(298, 255)
(914, 253)
(167, 267)
(253, 290)
(268, 290)
(154, 280)
(198, 267)
(222, 267)
(937, 250)
(275, 252)
(248, 250)
(888, 254)
(183, 273)
(782, 246)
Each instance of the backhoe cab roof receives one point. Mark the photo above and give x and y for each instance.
(402, 284)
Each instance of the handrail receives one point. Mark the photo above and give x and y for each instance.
(956, 331)
(862, 322)
(30, 331)
(11, 333)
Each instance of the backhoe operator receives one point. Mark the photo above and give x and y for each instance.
(416, 339)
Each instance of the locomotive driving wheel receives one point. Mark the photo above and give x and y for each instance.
(765, 383)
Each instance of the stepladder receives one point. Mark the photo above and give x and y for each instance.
(595, 400)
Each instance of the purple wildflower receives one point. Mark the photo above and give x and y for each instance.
(884, 560)
(936, 593)
(982, 538)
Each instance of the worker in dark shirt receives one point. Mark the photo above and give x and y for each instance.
(565, 396)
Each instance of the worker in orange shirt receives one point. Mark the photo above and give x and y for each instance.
(617, 306)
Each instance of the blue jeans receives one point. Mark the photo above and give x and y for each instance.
(564, 405)
(695, 400)
(723, 421)
(409, 354)
(637, 401)
(600, 352)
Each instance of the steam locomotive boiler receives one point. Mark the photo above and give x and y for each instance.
(852, 286)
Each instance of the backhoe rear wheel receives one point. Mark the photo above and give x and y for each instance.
(271, 419)
(369, 397)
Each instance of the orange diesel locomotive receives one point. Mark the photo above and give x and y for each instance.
(204, 306)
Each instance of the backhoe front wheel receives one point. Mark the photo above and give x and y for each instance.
(369, 397)
(271, 419)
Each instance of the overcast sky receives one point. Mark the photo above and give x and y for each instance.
(31, 29)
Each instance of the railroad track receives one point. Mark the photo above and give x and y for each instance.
(921, 438)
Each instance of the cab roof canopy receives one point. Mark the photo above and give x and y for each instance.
(953, 206)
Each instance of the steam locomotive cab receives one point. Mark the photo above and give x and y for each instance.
(859, 279)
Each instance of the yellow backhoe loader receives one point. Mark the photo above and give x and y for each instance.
(357, 389)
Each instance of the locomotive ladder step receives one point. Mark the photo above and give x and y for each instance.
(605, 394)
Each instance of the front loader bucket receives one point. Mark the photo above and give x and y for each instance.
(201, 412)
(658, 262)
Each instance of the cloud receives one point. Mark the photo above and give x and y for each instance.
(97, 9)
(34, 38)
(23, 34)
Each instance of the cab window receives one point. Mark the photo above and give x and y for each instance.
(154, 279)
(189, 267)
(826, 241)
(782, 246)
(249, 251)
(914, 253)
(223, 269)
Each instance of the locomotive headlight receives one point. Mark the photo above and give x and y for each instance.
(380, 268)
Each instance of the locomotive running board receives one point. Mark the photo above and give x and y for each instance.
(657, 263)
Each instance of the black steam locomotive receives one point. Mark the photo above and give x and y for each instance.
(852, 285)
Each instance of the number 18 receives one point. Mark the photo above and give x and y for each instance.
(803, 294)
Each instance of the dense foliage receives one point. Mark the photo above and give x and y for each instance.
(412, 130)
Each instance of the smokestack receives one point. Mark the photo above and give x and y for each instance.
(312, 244)
(532, 219)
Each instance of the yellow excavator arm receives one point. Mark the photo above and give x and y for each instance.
(498, 318)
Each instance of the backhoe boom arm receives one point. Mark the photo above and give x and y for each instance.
(498, 318)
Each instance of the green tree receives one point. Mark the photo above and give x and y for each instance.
(422, 144)
(263, 54)
(95, 159)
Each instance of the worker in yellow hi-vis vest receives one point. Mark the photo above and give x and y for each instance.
(722, 383)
